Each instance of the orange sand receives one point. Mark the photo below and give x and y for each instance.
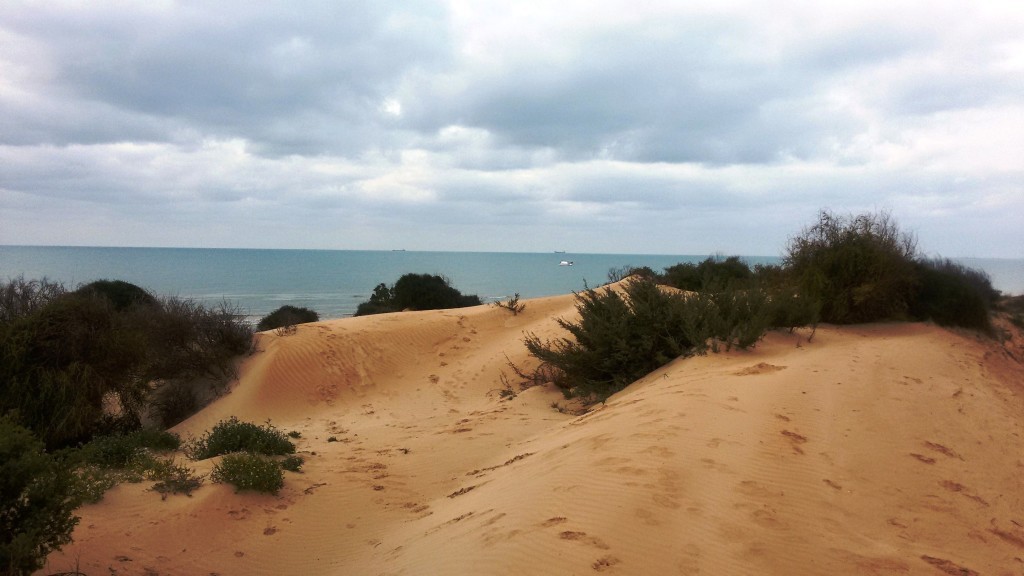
(881, 449)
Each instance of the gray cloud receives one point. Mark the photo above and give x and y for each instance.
(508, 126)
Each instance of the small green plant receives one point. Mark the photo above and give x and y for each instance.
(173, 478)
(512, 304)
(292, 463)
(295, 434)
(247, 471)
(231, 435)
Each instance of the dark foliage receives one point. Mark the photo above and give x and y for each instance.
(713, 272)
(286, 316)
(59, 364)
(857, 268)
(20, 297)
(36, 501)
(416, 292)
(121, 295)
(951, 294)
(65, 357)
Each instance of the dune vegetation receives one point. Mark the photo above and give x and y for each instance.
(82, 370)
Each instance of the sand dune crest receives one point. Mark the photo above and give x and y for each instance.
(882, 449)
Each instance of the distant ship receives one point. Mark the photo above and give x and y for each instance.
(559, 251)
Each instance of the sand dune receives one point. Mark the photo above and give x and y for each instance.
(881, 449)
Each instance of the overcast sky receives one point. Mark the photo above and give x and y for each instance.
(625, 127)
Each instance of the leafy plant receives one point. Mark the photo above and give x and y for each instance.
(231, 435)
(416, 292)
(247, 471)
(286, 317)
(37, 500)
(512, 304)
(292, 463)
(173, 478)
(857, 268)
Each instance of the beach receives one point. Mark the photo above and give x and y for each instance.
(893, 448)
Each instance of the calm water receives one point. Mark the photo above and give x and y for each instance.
(334, 282)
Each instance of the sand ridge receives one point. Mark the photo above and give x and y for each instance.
(879, 449)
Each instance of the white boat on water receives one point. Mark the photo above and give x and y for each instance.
(565, 263)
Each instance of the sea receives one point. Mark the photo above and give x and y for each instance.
(334, 282)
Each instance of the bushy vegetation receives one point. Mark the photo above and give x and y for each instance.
(842, 269)
(247, 471)
(37, 500)
(67, 358)
(713, 272)
(232, 435)
(951, 294)
(620, 337)
(287, 316)
(416, 292)
(859, 268)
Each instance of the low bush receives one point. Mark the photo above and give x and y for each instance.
(292, 463)
(231, 435)
(120, 294)
(951, 294)
(247, 471)
(121, 450)
(712, 273)
(512, 304)
(37, 500)
(416, 292)
(287, 316)
(173, 478)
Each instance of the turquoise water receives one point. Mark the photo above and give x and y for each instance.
(334, 282)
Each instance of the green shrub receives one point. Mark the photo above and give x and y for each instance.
(620, 338)
(951, 294)
(173, 478)
(292, 463)
(120, 294)
(416, 292)
(512, 304)
(231, 435)
(121, 450)
(286, 316)
(60, 364)
(65, 356)
(857, 268)
(37, 499)
(247, 471)
(712, 273)
(623, 272)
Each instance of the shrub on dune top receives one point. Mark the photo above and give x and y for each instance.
(621, 337)
(856, 268)
(286, 316)
(416, 292)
